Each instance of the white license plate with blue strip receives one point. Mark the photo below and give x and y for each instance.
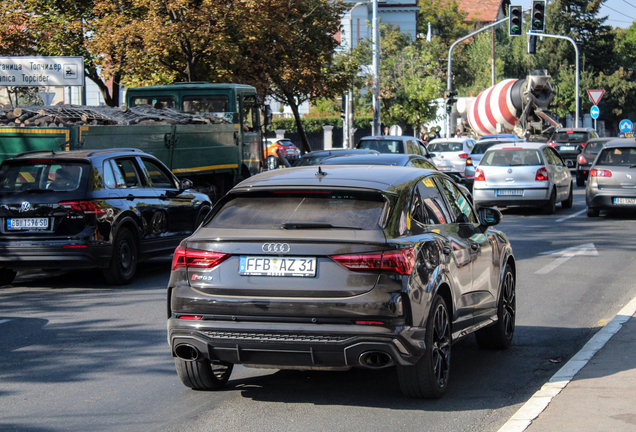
(28, 224)
(510, 192)
(277, 266)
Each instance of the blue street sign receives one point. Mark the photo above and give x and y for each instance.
(594, 112)
(626, 125)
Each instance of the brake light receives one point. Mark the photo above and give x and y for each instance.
(600, 173)
(464, 155)
(569, 132)
(400, 261)
(542, 175)
(469, 162)
(187, 258)
(479, 175)
(581, 159)
(191, 317)
(552, 143)
(86, 207)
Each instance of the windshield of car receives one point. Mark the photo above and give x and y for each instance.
(42, 175)
(511, 157)
(594, 147)
(622, 156)
(481, 147)
(310, 160)
(275, 210)
(383, 146)
(563, 137)
(355, 160)
(441, 147)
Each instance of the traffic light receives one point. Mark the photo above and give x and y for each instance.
(532, 44)
(515, 21)
(450, 100)
(538, 15)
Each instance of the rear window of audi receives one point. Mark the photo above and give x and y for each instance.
(298, 209)
(511, 157)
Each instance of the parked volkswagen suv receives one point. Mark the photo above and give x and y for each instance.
(103, 209)
(333, 267)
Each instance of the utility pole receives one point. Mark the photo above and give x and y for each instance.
(377, 125)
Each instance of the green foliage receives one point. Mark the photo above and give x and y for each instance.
(315, 124)
(324, 107)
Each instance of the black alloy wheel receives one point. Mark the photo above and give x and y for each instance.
(428, 378)
(202, 374)
(123, 264)
(500, 334)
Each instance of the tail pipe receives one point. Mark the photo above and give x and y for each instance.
(187, 352)
(375, 359)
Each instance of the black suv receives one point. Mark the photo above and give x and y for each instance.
(569, 142)
(84, 209)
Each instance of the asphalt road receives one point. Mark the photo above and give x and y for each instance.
(77, 355)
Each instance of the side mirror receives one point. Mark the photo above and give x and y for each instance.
(489, 216)
(185, 184)
(432, 155)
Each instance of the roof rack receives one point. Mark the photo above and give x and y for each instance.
(96, 152)
(34, 152)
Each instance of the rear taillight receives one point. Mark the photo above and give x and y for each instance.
(86, 207)
(400, 261)
(194, 258)
(600, 173)
(464, 155)
(583, 145)
(469, 162)
(581, 159)
(551, 143)
(542, 175)
(479, 175)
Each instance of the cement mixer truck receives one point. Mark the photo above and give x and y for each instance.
(513, 105)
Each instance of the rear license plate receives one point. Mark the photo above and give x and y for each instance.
(442, 168)
(28, 224)
(277, 266)
(625, 201)
(568, 148)
(508, 192)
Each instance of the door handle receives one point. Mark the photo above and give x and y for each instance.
(446, 250)
(474, 246)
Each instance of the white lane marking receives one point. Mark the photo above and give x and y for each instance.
(523, 418)
(564, 256)
(4, 321)
(571, 216)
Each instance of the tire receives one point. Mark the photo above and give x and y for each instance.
(203, 375)
(123, 263)
(428, 378)
(6, 276)
(500, 334)
(568, 202)
(593, 212)
(580, 181)
(550, 207)
(272, 163)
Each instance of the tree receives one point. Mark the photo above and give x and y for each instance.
(16, 39)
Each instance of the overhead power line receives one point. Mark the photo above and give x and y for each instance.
(619, 12)
(625, 1)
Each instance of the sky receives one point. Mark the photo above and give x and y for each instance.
(620, 13)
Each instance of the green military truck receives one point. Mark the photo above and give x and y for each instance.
(214, 156)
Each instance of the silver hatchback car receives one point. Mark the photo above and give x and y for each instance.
(612, 179)
(523, 174)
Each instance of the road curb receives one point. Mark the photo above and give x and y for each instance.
(523, 418)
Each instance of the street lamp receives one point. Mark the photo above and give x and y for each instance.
(376, 71)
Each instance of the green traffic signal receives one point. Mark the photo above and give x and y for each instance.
(515, 21)
(538, 15)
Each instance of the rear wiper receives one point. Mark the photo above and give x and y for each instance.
(291, 226)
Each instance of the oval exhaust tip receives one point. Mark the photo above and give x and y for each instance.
(375, 359)
(186, 352)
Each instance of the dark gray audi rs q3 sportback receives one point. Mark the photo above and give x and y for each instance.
(336, 267)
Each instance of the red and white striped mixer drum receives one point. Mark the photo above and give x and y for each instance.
(493, 105)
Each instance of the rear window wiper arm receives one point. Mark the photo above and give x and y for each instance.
(309, 225)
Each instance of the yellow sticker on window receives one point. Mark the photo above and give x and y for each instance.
(428, 182)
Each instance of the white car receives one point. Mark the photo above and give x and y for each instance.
(523, 173)
(451, 154)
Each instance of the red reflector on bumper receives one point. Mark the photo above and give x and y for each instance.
(191, 317)
(370, 322)
(73, 246)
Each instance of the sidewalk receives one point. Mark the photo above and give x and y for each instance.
(594, 391)
(602, 395)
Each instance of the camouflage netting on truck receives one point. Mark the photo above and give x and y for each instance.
(65, 115)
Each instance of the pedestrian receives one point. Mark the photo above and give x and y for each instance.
(425, 135)
(436, 132)
(458, 133)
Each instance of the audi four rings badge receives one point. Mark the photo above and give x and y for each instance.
(276, 247)
(26, 206)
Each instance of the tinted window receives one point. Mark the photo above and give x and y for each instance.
(35, 175)
(459, 204)
(157, 176)
(440, 147)
(157, 101)
(594, 147)
(419, 163)
(481, 147)
(623, 156)
(206, 104)
(354, 209)
(383, 146)
(511, 157)
(563, 137)
(427, 204)
(129, 172)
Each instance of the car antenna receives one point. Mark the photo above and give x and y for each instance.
(320, 172)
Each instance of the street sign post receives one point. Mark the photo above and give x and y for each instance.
(625, 126)
(595, 95)
(594, 112)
